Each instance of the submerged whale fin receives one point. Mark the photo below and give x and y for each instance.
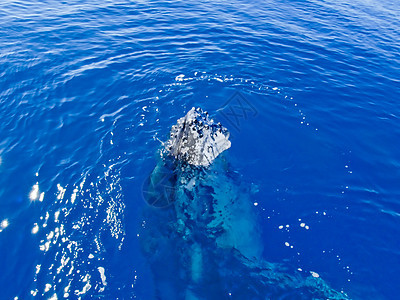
(205, 243)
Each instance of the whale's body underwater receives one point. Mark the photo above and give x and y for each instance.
(200, 231)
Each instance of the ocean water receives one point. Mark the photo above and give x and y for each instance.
(309, 90)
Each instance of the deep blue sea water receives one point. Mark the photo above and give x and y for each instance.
(88, 89)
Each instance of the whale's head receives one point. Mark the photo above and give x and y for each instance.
(196, 139)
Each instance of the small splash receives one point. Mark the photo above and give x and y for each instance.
(35, 228)
(54, 297)
(34, 194)
(179, 77)
(86, 287)
(102, 276)
(61, 191)
(314, 274)
(303, 225)
(4, 224)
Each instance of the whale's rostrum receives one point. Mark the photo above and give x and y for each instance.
(196, 139)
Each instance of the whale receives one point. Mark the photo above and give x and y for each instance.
(200, 232)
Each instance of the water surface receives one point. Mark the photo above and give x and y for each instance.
(87, 90)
